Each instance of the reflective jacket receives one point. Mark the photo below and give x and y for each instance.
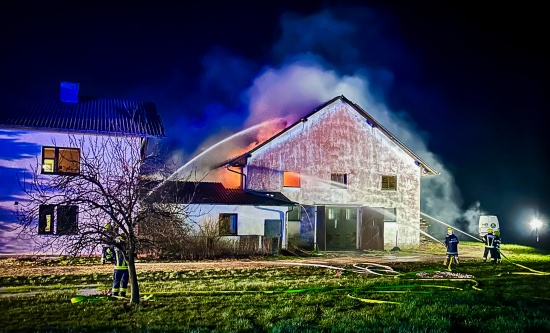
(451, 242)
(120, 262)
(489, 240)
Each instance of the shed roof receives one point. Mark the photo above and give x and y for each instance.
(42, 110)
(241, 159)
(215, 193)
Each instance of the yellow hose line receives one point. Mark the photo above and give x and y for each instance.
(534, 272)
(375, 301)
(474, 286)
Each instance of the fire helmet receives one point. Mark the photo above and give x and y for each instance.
(497, 233)
(490, 230)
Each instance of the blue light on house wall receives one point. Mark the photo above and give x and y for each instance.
(370, 123)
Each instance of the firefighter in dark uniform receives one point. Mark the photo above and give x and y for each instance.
(489, 240)
(107, 240)
(496, 243)
(120, 275)
(451, 243)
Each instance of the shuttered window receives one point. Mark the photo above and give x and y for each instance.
(339, 180)
(389, 182)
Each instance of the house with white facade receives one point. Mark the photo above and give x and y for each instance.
(232, 214)
(47, 134)
(357, 186)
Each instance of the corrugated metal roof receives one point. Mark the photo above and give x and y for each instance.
(216, 193)
(241, 160)
(99, 115)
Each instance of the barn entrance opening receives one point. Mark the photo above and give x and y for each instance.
(341, 228)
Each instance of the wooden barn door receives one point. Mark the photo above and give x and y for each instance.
(372, 229)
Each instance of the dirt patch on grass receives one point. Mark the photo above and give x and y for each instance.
(431, 252)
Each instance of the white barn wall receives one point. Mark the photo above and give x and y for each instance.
(339, 139)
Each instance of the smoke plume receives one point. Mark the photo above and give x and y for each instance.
(328, 54)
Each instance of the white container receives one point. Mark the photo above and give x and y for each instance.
(487, 222)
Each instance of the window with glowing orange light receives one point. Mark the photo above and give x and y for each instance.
(291, 179)
(57, 160)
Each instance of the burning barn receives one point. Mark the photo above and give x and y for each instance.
(357, 185)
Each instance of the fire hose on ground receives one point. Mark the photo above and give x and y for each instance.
(360, 268)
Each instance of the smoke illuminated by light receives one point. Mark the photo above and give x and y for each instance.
(316, 59)
(230, 147)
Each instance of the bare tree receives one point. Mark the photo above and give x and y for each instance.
(109, 181)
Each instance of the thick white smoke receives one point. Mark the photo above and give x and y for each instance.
(318, 60)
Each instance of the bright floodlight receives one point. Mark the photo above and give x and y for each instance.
(536, 223)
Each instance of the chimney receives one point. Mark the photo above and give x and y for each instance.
(69, 92)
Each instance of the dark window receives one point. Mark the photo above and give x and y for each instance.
(389, 182)
(57, 160)
(65, 222)
(291, 179)
(294, 213)
(228, 224)
(339, 180)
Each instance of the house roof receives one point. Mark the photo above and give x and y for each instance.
(216, 193)
(37, 110)
(241, 159)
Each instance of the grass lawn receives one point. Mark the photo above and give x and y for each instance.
(473, 297)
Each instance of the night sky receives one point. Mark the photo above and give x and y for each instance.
(463, 85)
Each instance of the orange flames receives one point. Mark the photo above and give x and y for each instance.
(266, 131)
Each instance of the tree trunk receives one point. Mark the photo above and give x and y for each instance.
(133, 281)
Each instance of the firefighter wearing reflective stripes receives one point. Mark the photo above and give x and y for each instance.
(489, 240)
(120, 276)
(451, 242)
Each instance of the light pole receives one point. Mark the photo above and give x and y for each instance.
(536, 224)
